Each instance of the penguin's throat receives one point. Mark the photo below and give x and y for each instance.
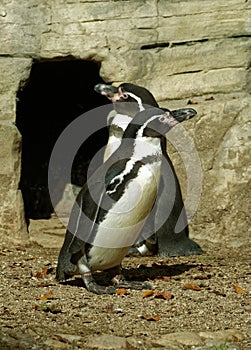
(120, 122)
(146, 146)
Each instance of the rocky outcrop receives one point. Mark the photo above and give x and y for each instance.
(180, 50)
(221, 133)
(14, 71)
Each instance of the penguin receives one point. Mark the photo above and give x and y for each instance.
(115, 202)
(128, 99)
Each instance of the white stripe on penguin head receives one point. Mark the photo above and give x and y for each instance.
(142, 128)
(138, 99)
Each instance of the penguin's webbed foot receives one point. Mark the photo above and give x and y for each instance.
(94, 287)
(119, 281)
(184, 247)
(98, 289)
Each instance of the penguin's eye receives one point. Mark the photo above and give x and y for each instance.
(124, 95)
(162, 118)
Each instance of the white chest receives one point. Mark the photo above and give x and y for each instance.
(123, 223)
(105, 258)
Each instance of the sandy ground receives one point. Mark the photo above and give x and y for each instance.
(35, 309)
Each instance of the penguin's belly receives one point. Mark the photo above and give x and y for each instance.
(100, 258)
(123, 223)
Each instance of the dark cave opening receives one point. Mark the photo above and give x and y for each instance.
(56, 93)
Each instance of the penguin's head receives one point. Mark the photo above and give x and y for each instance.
(183, 114)
(159, 123)
(127, 99)
(156, 122)
(106, 90)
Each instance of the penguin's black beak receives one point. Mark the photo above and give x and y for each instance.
(183, 114)
(107, 90)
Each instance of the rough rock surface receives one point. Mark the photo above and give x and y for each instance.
(180, 50)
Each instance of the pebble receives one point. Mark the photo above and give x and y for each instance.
(248, 332)
(134, 344)
(215, 342)
(69, 338)
(230, 339)
(228, 334)
(184, 338)
(168, 348)
(107, 342)
(169, 344)
(54, 344)
(3, 13)
(201, 340)
(218, 345)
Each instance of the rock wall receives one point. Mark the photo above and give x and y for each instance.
(180, 50)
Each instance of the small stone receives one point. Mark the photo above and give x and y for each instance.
(248, 332)
(134, 344)
(210, 342)
(70, 338)
(3, 13)
(107, 342)
(168, 344)
(54, 344)
(233, 346)
(216, 343)
(228, 334)
(184, 338)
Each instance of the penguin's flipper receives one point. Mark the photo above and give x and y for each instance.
(85, 212)
(65, 268)
(78, 231)
(92, 203)
(72, 257)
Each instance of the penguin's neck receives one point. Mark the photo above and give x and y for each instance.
(145, 146)
(140, 151)
(120, 121)
(132, 139)
(117, 124)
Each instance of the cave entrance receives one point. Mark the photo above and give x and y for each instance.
(56, 93)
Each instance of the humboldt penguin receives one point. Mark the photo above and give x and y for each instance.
(113, 205)
(128, 99)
